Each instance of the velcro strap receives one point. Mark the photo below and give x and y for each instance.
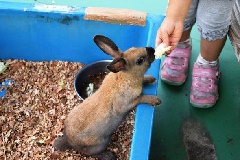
(181, 52)
(206, 73)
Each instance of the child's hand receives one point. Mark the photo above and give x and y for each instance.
(169, 33)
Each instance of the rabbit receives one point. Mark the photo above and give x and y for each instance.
(89, 126)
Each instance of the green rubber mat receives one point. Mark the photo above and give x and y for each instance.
(181, 131)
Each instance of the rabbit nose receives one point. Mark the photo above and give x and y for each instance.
(150, 52)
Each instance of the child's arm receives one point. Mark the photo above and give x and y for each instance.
(178, 9)
(172, 27)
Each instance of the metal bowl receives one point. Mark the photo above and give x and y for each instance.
(85, 72)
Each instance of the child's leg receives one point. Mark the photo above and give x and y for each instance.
(185, 35)
(209, 52)
(213, 19)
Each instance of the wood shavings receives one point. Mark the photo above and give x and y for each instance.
(33, 111)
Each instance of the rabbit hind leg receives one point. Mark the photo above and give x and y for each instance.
(99, 150)
(106, 155)
(61, 144)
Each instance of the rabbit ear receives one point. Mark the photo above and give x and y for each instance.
(117, 65)
(108, 46)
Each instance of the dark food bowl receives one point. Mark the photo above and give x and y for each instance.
(93, 73)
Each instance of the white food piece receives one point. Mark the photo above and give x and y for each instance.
(2, 67)
(160, 50)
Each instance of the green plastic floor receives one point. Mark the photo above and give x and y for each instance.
(220, 124)
(178, 127)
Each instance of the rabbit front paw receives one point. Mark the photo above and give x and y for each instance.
(151, 100)
(149, 80)
(154, 101)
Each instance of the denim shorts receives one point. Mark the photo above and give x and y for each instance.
(212, 16)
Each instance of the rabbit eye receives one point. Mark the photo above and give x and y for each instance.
(140, 60)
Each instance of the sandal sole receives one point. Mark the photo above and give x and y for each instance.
(201, 105)
(172, 82)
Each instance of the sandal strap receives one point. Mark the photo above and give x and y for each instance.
(205, 79)
(175, 64)
(180, 52)
(211, 73)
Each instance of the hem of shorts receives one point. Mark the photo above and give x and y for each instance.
(213, 35)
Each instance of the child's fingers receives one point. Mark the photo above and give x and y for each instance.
(158, 39)
(165, 39)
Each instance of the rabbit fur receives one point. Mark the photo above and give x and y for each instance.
(88, 127)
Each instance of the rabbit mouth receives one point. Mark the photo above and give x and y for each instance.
(151, 56)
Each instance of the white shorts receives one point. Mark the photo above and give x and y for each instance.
(212, 16)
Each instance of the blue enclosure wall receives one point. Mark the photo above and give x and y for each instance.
(62, 33)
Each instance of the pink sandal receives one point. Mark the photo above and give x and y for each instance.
(204, 90)
(174, 69)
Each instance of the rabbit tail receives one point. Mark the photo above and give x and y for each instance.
(61, 144)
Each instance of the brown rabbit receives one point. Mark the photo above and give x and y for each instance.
(88, 127)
